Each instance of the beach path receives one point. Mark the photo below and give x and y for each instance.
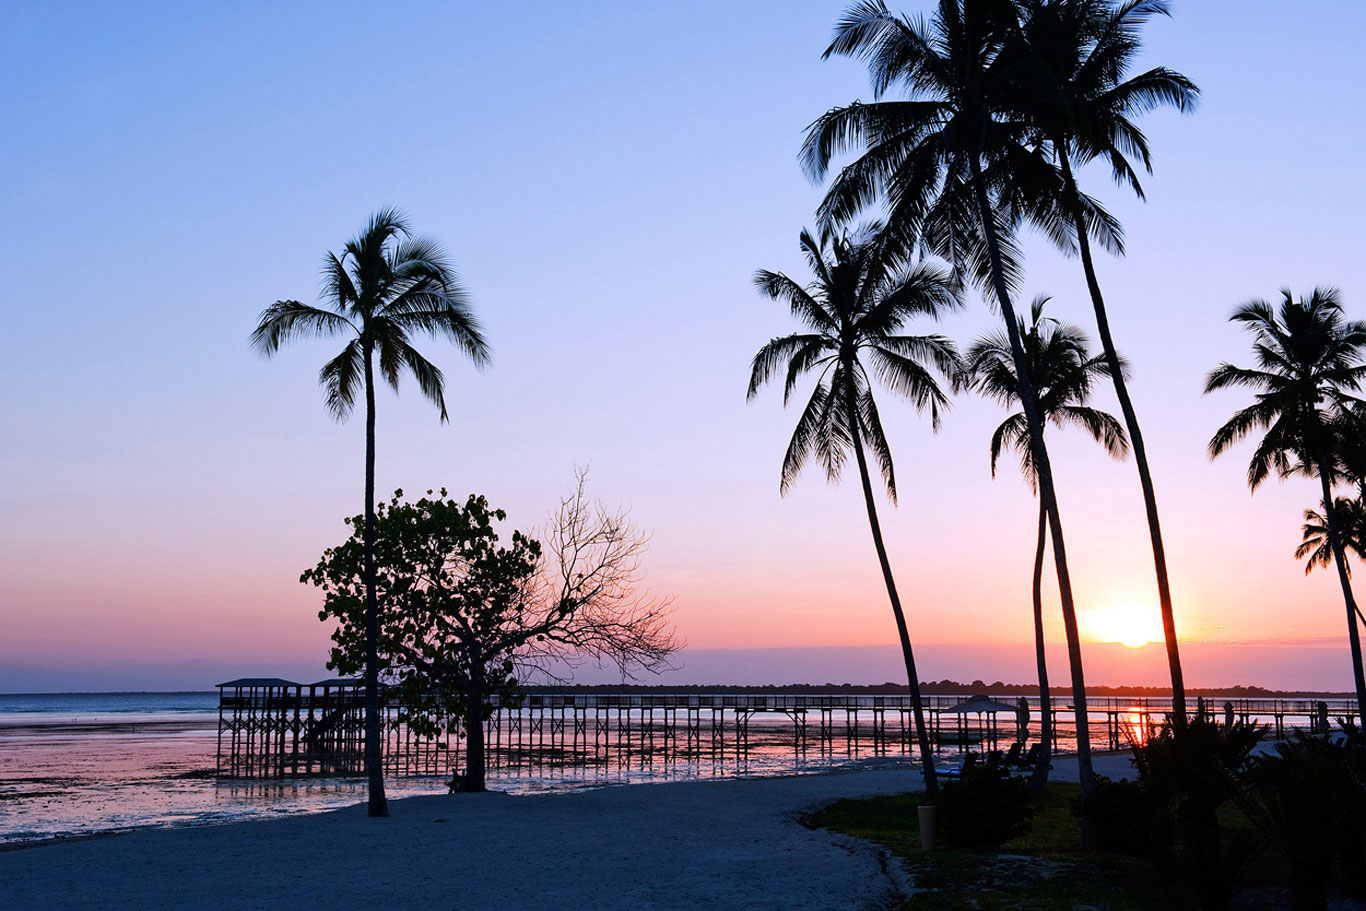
(710, 845)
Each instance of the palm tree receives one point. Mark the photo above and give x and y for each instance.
(1309, 358)
(1064, 374)
(854, 313)
(384, 287)
(1073, 60)
(1351, 522)
(955, 172)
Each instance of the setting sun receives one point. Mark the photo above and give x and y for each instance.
(1131, 625)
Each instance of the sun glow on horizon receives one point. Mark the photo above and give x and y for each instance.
(1131, 624)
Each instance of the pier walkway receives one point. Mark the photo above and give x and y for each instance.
(274, 728)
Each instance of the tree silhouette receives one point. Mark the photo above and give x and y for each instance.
(1308, 359)
(1064, 375)
(384, 287)
(854, 313)
(1351, 522)
(465, 617)
(1073, 85)
(954, 167)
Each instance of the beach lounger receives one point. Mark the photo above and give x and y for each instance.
(969, 761)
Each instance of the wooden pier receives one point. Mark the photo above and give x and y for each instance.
(274, 728)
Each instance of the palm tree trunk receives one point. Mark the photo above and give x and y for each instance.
(1145, 478)
(1029, 399)
(1330, 520)
(1039, 779)
(374, 756)
(922, 733)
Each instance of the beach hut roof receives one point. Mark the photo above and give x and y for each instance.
(259, 681)
(338, 681)
(980, 704)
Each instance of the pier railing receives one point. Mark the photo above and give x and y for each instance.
(272, 728)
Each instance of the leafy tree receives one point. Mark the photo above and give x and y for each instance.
(954, 166)
(464, 618)
(1072, 82)
(385, 287)
(854, 314)
(1309, 359)
(1064, 374)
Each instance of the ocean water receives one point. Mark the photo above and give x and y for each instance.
(86, 763)
(74, 764)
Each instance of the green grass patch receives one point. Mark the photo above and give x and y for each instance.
(1042, 870)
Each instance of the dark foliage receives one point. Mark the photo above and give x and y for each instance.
(1188, 776)
(984, 808)
(1308, 797)
(1124, 817)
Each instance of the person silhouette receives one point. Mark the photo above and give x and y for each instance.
(1022, 719)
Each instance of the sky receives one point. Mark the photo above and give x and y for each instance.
(606, 178)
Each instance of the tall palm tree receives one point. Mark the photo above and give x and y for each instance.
(1064, 374)
(955, 171)
(1073, 84)
(854, 313)
(1351, 521)
(385, 286)
(1309, 360)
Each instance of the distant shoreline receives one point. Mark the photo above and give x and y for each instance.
(946, 688)
(928, 688)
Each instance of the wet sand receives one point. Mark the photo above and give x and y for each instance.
(717, 845)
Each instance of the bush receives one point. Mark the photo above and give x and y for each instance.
(1123, 814)
(984, 808)
(1188, 777)
(1308, 797)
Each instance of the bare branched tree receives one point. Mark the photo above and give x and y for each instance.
(589, 591)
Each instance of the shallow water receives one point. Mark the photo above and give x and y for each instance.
(79, 764)
(82, 764)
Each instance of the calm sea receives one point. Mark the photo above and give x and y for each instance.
(83, 763)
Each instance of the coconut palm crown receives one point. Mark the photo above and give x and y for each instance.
(956, 169)
(1071, 83)
(1065, 375)
(919, 156)
(854, 314)
(1350, 514)
(1310, 359)
(384, 288)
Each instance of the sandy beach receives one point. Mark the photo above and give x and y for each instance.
(735, 844)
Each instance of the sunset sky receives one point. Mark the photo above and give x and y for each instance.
(606, 179)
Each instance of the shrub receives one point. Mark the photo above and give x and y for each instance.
(1308, 797)
(985, 807)
(1187, 777)
(1123, 815)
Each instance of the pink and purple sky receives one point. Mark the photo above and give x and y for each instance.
(606, 177)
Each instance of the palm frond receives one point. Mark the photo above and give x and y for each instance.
(285, 321)
(779, 352)
(343, 379)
